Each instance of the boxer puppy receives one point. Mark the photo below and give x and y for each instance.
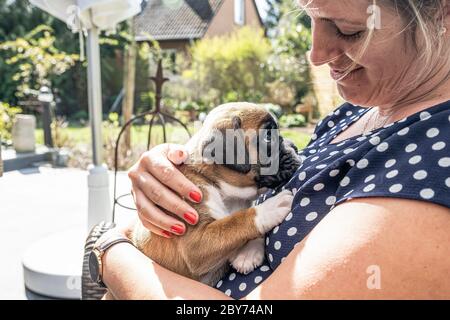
(229, 229)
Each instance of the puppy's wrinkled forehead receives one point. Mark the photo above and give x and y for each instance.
(250, 115)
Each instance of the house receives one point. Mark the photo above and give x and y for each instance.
(175, 24)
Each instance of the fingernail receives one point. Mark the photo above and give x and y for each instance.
(180, 154)
(177, 229)
(195, 196)
(190, 217)
(167, 234)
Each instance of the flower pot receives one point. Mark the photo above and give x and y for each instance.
(23, 137)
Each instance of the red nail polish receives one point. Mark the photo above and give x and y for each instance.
(177, 229)
(190, 217)
(195, 196)
(167, 234)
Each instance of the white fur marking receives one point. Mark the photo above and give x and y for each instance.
(272, 212)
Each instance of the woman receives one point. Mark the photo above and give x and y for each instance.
(371, 216)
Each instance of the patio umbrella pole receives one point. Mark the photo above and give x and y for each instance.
(99, 204)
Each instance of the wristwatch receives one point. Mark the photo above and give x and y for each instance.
(105, 242)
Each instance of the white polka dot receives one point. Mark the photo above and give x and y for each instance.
(351, 162)
(420, 175)
(433, 132)
(311, 216)
(319, 187)
(264, 268)
(277, 245)
(349, 150)
(390, 163)
(275, 230)
(363, 163)
(337, 112)
(321, 166)
(403, 132)
(415, 160)
(315, 158)
(345, 182)
(302, 176)
(427, 193)
(258, 279)
(369, 178)
(403, 120)
(438, 146)
(341, 144)
(242, 286)
(267, 241)
(392, 174)
(383, 147)
(314, 136)
(330, 200)
(361, 138)
(396, 188)
(312, 151)
(270, 257)
(305, 202)
(369, 188)
(232, 276)
(219, 284)
(425, 116)
(348, 113)
(228, 292)
(334, 173)
(411, 147)
(289, 217)
(447, 182)
(292, 231)
(444, 162)
(375, 140)
(330, 124)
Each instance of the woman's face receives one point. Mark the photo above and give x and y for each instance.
(385, 73)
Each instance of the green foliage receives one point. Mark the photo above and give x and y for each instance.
(7, 115)
(232, 66)
(292, 120)
(36, 60)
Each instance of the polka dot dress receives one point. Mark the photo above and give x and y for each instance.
(406, 159)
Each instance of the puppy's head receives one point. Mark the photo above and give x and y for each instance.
(240, 143)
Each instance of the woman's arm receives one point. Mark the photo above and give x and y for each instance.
(365, 248)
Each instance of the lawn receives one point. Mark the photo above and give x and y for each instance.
(81, 135)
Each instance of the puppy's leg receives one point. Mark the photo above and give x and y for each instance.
(210, 245)
(249, 257)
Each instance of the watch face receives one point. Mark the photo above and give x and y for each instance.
(94, 267)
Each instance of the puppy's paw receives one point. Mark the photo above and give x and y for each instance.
(249, 256)
(272, 212)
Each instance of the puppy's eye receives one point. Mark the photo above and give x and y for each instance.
(267, 135)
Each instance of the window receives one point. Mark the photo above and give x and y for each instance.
(239, 12)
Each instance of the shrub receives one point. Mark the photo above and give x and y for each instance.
(293, 120)
(7, 115)
(233, 66)
(274, 108)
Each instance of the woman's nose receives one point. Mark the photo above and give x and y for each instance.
(325, 48)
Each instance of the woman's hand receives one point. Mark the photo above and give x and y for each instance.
(157, 183)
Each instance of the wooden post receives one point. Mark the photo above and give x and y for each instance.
(129, 86)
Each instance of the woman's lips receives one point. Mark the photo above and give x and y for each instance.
(338, 75)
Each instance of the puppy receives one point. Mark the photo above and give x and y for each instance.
(230, 229)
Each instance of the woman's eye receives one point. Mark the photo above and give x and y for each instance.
(349, 36)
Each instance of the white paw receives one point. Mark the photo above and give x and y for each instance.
(249, 256)
(272, 212)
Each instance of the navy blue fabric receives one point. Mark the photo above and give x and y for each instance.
(407, 159)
